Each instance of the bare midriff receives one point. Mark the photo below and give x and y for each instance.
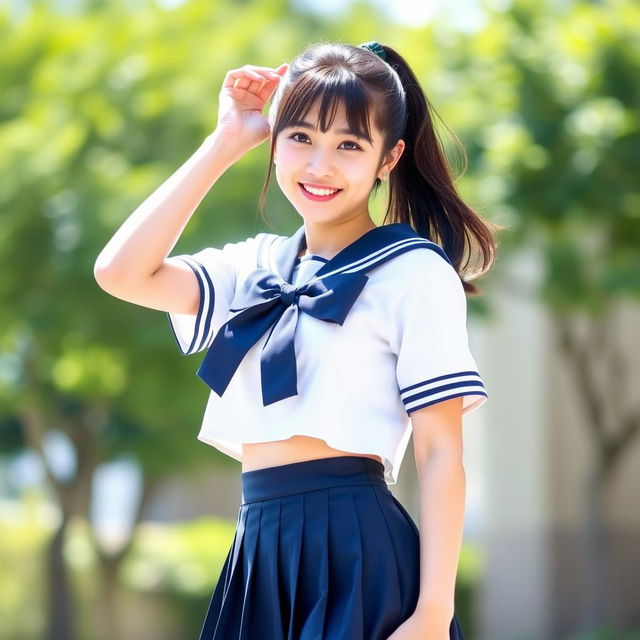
(259, 455)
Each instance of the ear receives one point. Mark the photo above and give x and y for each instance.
(391, 159)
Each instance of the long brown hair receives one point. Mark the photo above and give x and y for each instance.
(421, 189)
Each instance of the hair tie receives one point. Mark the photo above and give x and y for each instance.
(375, 47)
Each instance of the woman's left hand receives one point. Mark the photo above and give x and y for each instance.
(421, 626)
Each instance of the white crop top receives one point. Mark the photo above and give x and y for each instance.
(402, 346)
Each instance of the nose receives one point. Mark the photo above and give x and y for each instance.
(320, 165)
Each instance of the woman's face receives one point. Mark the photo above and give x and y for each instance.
(332, 160)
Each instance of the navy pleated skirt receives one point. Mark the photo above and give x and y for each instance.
(322, 551)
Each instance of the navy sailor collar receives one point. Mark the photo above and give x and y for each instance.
(373, 247)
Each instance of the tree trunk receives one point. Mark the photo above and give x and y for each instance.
(596, 550)
(72, 496)
(595, 348)
(109, 564)
(110, 618)
(60, 598)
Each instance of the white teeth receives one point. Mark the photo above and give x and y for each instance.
(319, 192)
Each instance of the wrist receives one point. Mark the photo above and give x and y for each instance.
(224, 146)
(435, 609)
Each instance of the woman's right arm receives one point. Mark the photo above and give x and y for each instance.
(134, 265)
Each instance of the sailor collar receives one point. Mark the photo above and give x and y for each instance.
(371, 249)
(267, 300)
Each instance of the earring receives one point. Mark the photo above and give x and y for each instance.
(385, 175)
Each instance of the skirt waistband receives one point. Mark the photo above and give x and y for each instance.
(310, 475)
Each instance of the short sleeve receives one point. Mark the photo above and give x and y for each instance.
(429, 337)
(217, 272)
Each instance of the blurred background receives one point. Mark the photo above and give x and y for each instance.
(114, 519)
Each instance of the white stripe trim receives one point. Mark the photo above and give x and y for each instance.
(443, 395)
(439, 382)
(205, 310)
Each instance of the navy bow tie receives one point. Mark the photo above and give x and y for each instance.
(264, 300)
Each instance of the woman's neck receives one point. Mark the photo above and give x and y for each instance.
(327, 244)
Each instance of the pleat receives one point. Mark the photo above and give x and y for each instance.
(313, 579)
(215, 603)
(228, 593)
(267, 618)
(345, 617)
(405, 544)
(383, 595)
(250, 568)
(290, 551)
(236, 547)
(407, 517)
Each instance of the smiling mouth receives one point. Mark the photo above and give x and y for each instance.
(318, 197)
(308, 186)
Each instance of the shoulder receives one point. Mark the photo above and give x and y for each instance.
(265, 248)
(420, 268)
(244, 252)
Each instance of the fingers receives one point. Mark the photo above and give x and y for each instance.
(253, 78)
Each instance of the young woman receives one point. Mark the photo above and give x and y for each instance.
(327, 349)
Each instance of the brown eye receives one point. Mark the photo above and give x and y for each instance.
(357, 146)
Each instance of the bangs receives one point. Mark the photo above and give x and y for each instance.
(328, 89)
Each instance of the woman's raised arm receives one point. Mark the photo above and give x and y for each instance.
(133, 265)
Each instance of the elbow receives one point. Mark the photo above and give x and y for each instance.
(100, 272)
(105, 275)
(105, 282)
(101, 277)
(111, 273)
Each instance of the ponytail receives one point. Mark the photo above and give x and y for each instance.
(421, 189)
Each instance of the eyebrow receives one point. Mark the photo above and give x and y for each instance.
(307, 125)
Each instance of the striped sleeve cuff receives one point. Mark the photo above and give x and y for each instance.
(452, 385)
(195, 333)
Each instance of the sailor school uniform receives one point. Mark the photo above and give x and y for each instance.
(342, 349)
